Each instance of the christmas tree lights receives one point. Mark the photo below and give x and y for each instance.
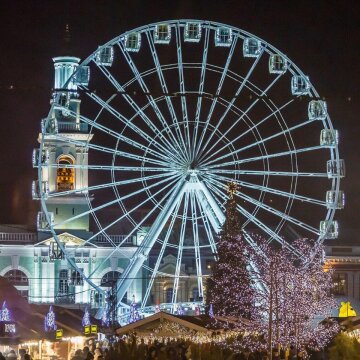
(134, 313)
(86, 318)
(5, 314)
(50, 321)
(270, 297)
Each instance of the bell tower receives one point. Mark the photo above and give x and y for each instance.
(64, 156)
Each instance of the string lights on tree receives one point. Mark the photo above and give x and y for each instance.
(230, 289)
(86, 318)
(134, 313)
(273, 297)
(50, 321)
(5, 314)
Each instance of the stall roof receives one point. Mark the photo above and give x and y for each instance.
(200, 323)
(29, 318)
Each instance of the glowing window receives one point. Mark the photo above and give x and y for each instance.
(65, 177)
(340, 284)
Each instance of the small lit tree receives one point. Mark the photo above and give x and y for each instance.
(298, 295)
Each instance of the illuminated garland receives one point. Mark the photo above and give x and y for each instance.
(134, 313)
(105, 321)
(50, 321)
(5, 314)
(86, 318)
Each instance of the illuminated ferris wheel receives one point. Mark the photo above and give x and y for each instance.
(171, 114)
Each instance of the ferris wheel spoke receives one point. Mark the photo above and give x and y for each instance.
(195, 229)
(262, 141)
(269, 156)
(269, 190)
(151, 100)
(207, 227)
(259, 223)
(109, 167)
(183, 91)
(116, 135)
(266, 172)
(136, 108)
(107, 150)
(218, 90)
(151, 237)
(107, 204)
(160, 256)
(230, 104)
(118, 248)
(201, 90)
(166, 92)
(212, 154)
(127, 123)
(107, 185)
(180, 249)
(268, 208)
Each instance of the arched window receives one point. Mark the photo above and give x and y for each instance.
(17, 278)
(110, 278)
(65, 177)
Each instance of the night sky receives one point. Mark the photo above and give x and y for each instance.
(321, 37)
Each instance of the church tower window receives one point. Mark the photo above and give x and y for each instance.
(65, 176)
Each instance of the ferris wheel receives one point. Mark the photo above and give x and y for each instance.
(174, 112)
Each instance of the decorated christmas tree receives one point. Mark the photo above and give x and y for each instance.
(86, 318)
(230, 289)
(134, 313)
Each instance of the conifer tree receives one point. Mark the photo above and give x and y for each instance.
(230, 289)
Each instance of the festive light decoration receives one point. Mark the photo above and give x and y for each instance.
(230, 289)
(5, 314)
(180, 310)
(211, 311)
(134, 313)
(50, 321)
(273, 297)
(105, 321)
(86, 318)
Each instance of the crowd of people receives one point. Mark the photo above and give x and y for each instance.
(167, 349)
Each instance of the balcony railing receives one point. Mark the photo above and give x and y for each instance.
(70, 127)
(65, 299)
(24, 237)
(116, 239)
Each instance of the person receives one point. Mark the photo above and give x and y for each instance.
(87, 354)
(152, 354)
(141, 350)
(2, 357)
(11, 355)
(78, 355)
(27, 357)
(98, 354)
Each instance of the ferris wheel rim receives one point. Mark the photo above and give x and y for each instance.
(334, 152)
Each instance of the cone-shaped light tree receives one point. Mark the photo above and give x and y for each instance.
(230, 289)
